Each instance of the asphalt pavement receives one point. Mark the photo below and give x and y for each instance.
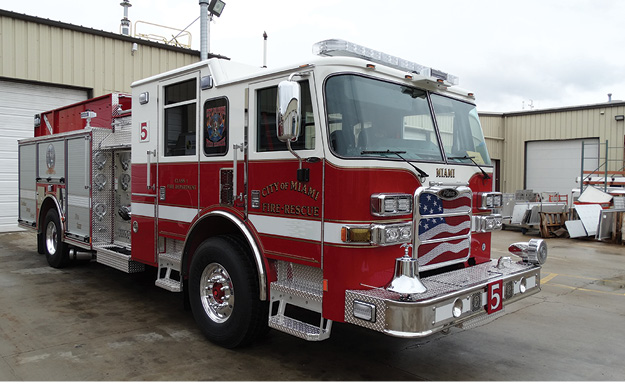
(93, 323)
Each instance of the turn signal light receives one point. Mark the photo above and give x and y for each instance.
(355, 234)
(378, 234)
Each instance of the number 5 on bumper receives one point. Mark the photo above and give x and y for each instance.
(495, 297)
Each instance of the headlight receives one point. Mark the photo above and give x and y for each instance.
(490, 200)
(383, 205)
(486, 223)
(378, 234)
(391, 234)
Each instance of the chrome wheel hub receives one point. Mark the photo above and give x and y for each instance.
(216, 292)
(51, 238)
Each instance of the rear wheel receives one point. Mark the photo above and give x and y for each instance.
(56, 251)
(224, 294)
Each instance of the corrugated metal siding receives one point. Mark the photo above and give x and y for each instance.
(51, 54)
(493, 133)
(579, 123)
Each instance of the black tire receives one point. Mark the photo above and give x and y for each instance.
(57, 253)
(222, 270)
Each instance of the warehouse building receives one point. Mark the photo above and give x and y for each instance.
(543, 150)
(45, 64)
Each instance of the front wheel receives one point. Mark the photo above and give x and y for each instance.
(57, 253)
(224, 293)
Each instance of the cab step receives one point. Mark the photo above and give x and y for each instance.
(169, 277)
(117, 257)
(301, 287)
(299, 329)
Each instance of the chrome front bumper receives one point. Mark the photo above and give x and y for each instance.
(421, 315)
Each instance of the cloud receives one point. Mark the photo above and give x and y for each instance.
(557, 52)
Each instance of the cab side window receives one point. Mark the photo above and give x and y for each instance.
(266, 121)
(179, 114)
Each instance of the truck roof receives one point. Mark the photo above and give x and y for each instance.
(224, 72)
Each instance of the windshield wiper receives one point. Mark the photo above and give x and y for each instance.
(474, 162)
(422, 174)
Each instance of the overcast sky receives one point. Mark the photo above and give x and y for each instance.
(512, 54)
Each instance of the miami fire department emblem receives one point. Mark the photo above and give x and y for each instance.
(216, 128)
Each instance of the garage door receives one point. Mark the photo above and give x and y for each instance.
(553, 165)
(19, 102)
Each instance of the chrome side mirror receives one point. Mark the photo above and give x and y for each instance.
(288, 111)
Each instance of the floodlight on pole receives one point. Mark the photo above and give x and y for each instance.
(216, 7)
(212, 7)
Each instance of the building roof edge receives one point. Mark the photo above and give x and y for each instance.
(97, 32)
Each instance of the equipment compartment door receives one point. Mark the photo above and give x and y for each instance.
(143, 175)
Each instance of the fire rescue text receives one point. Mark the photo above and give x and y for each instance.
(290, 209)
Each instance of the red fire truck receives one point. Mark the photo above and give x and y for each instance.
(355, 187)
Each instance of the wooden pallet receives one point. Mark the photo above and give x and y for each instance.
(551, 222)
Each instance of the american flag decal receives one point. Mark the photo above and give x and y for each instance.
(444, 227)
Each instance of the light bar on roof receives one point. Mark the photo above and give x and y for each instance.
(337, 47)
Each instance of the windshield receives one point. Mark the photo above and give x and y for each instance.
(460, 130)
(367, 117)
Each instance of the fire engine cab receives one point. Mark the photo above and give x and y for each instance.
(356, 187)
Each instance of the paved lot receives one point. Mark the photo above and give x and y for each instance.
(91, 322)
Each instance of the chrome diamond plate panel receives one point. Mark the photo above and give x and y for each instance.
(305, 280)
(380, 310)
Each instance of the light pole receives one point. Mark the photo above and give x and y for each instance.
(212, 7)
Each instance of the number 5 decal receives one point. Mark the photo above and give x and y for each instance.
(495, 297)
(144, 133)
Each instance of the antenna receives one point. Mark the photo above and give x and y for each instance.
(125, 24)
(265, 49)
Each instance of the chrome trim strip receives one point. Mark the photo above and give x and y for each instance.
(60, 135)
(144, 195)
(441, 240)
(450, 214)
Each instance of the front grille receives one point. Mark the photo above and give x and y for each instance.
(442, 225)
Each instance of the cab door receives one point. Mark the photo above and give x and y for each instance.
(164, 163)
(286, 210)
(177, 180)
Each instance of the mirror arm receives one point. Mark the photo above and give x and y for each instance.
(299, 158)
(303, 174)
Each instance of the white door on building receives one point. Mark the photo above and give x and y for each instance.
(19, 102)
(553, 165)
